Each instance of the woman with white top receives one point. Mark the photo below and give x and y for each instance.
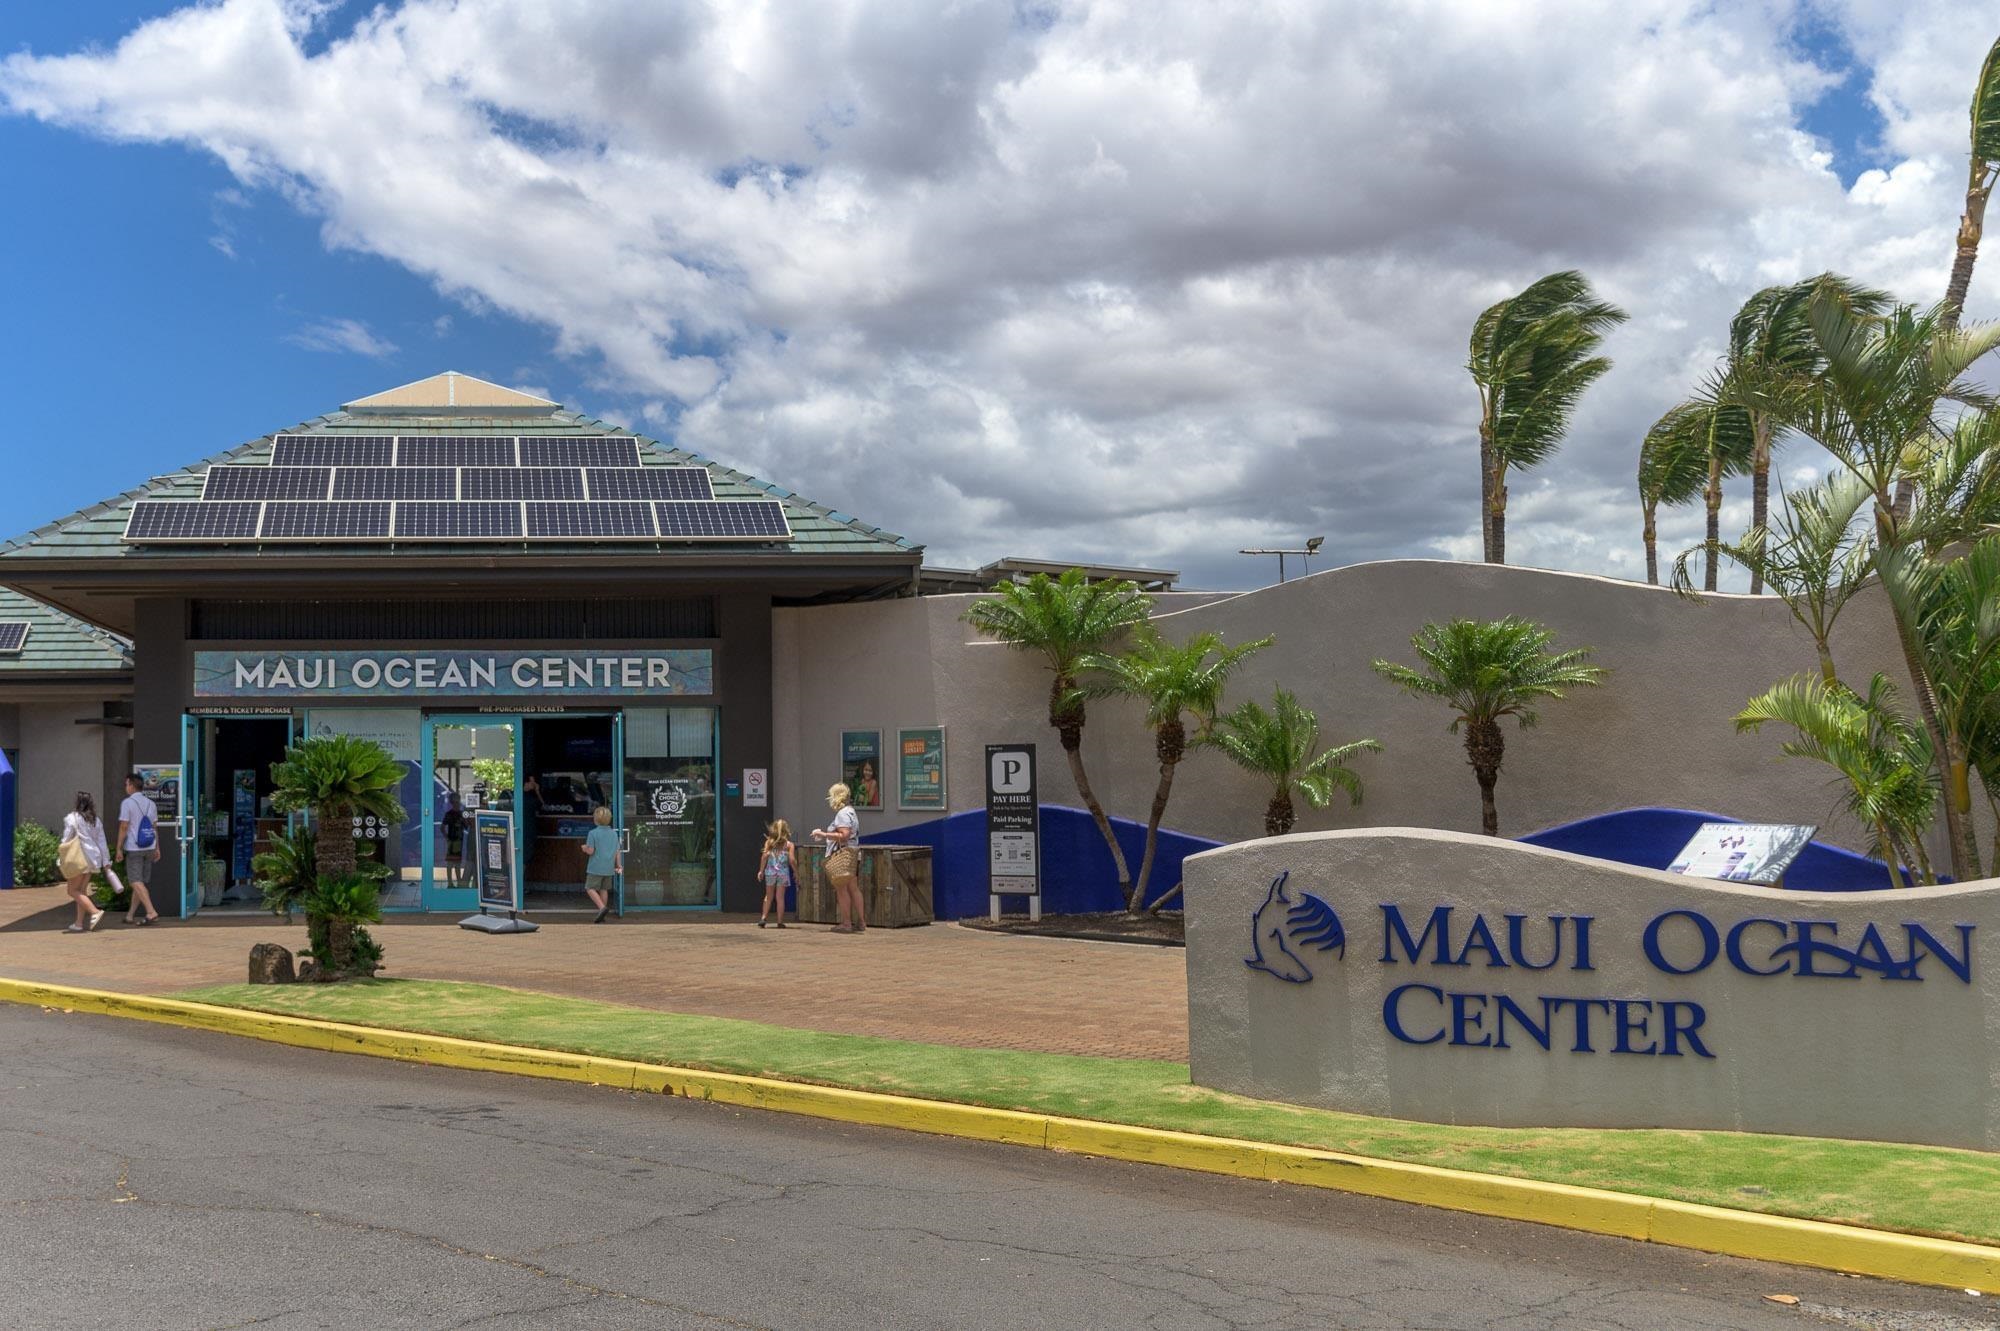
(843, 859)
(83, 827)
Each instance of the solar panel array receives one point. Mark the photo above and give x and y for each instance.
(13, 636)
(324, 488)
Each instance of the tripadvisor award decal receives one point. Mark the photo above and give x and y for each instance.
(1283, 927)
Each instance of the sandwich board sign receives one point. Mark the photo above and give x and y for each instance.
(497, 874)
(1013, 827)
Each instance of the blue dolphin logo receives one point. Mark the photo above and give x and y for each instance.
(1281, 922)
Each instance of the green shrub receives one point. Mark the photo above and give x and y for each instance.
(35, 855)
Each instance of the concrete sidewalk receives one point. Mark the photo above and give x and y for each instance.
(940, 984)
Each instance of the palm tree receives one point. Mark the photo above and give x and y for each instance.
(1671, 469)
(1985, 169)
(1484, 671)
(335, 778)
(1884, 762)
(1772, 335)
(1174, 682)
(1066, 619)
(1282, 746)
(1816, 560)
(1874, 405)
(1719, 435)
(1532, 356)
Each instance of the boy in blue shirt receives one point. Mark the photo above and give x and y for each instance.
(599, 873)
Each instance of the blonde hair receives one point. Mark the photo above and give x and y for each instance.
(776, 833)
(838, 795)
(603, 815)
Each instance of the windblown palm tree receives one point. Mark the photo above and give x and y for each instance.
(1532, 356)
(1884, 762)
(1174, 682)
(1985, 169)
(1771, 335)
(1484, 671)
(1719, 436)
(1672, 467)
(1282, 746)
(1066, 619)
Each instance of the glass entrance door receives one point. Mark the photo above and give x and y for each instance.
(472, 762)
(670, 756)
(187, 828)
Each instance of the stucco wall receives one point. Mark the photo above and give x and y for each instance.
(1658, 732)
(60, 757)
(1872, 1015)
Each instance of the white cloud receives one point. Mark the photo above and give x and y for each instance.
(1126, 280)
(349, 336)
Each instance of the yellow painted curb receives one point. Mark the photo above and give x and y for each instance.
(1768, 1238)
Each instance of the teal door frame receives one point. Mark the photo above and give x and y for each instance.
(188, 825)
(431, 895)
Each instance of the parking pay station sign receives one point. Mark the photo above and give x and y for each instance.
(1013, 821)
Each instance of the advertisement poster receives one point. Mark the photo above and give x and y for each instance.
(243, 825)
(161, 783)
(920, 768)
(1742, 852)
(1013, 821)
(493, 841)
(861, 766)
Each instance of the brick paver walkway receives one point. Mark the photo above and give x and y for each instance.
(942, 983)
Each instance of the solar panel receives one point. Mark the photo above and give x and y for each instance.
(172, 520)
(332, 450)
(455, 450)
(604, 521)
(325, 521)
(458, 522)
(395, 483)
(649, 483)
(537, 451)
(723, 520)
(265, 483)
(13, 633)
(520, 483)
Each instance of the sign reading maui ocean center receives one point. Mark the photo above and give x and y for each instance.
(453, 673)
(1432, 975)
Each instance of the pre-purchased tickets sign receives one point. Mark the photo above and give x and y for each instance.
(1013, 821)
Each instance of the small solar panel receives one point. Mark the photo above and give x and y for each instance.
(332, 450)
(325, 521)
(723, 520)
(537, 451)
(171, 520)
(265, 483)
(395, 483)
(455, 450)
(603, 521)
(13, 633)
(649, 483)
(458, 522)
(520, 483)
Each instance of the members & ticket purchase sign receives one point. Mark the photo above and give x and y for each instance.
(453, 673)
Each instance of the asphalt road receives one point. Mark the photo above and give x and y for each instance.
(162, 1179)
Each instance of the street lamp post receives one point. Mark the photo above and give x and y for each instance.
(1312, 546)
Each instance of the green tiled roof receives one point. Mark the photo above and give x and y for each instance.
(817, 530)
(56, 643)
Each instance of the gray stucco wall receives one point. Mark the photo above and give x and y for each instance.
(1833, 1037)
(1659, 732)
(60, 757)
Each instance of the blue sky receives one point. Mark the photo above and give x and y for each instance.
(1079, 289)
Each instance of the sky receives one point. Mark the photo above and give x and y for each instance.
(1137, 282)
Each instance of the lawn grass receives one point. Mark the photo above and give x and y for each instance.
(1917, 1189)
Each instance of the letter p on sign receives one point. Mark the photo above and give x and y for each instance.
(1010, 772)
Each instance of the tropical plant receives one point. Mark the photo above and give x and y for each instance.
(1066, 619)
(1816, 560)
(1532, 356)
(335, 778)
(1485, 671)
(1672, 465)
(1719, 435)
(1884, 762)
(496, 777)
(287, 869)
(336, 909)
(1984, 170)
(35, 849)
(1174, 681)
(1878, 406)
(1282, 746)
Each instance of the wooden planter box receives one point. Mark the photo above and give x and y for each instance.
(895, 886)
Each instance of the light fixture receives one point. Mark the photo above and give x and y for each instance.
(1311, 548)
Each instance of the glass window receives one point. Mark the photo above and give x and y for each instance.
(670, 806)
